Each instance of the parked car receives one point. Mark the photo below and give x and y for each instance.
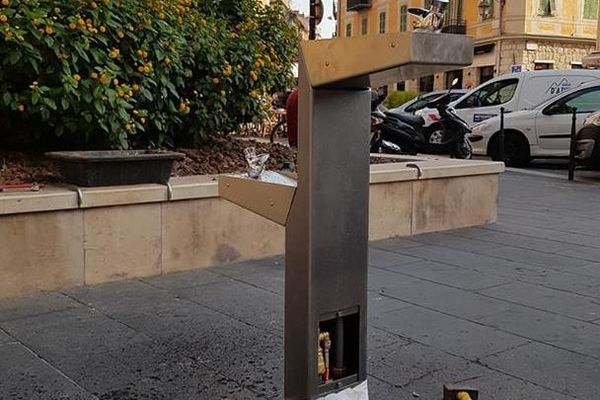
(588, 141)
(543, 131)
(515, 92)
(422, 100)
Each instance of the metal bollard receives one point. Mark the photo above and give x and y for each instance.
(573, 148)
(502, 137)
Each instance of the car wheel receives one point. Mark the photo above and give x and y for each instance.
(516, 150)
(594, 160)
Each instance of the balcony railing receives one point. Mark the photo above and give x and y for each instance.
(353, 5)
(456, 26)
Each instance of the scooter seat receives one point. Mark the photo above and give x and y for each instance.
(410, 119)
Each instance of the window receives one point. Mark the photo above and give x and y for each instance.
(586, 101)
(364, 26)
(590, 9)
(426, 84)
(485, 74)
(539, 66)
(421, 102)
(547, 8)
(451, 75)
(403, 18)
(489, 10)
(576, 65)
(382, 17)
(493, 94)
(348, 30)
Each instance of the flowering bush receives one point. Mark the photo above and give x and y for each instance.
(123, 73)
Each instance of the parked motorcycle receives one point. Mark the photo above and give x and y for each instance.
(399, 132)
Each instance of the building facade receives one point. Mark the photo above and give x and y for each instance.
(510, 35)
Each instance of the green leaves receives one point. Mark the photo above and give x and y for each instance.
(80, 71)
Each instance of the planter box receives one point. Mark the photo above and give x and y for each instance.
(110, 168)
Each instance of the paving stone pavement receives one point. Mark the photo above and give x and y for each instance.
(512, 308)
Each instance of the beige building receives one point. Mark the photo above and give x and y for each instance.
(510, 35)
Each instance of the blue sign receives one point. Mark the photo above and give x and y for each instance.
(516, 68)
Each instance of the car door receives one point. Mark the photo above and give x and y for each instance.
(553, 123)
(485, 103)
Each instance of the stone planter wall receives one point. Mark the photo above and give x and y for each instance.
(55, 239)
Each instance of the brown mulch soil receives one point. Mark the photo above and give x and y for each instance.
(222, 156)
(215, 157)
(18, 168)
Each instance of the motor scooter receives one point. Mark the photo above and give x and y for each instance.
(407, 133)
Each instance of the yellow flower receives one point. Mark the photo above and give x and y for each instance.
(36, 21)
(104, 79)
(3, 18)
(141, 69)
(223, 93)
(161, 16)
(254, 94)
(228, 70)
(21, 107)
(20, 38)
(253, 76)
(77, 77)
(143, 120)
(72, 26)
(49, 30)
(120, 35)
(114, 53)
(147, 69)
(56, 10)
(103, 29)
(94, 75)
(115, 81)
(167, 61)
(5, 3)
(216, 81)
(135, 87)
(93, 5)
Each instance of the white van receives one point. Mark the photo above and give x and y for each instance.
(520, 91)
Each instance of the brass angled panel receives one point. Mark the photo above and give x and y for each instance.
(270, 197)
(374, 60)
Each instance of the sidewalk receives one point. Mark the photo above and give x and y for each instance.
(512, 309)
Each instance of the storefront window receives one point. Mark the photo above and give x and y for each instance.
(539, 66)
(485, 74)
(426, 84)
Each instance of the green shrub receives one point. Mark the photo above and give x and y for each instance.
(123, 73)
(398, 98)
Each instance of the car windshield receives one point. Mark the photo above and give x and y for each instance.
(493, 94)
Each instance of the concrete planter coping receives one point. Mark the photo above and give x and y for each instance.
(57, 198)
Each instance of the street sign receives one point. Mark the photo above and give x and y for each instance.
(516, 68)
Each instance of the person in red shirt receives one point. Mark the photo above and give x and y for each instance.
(291, 111)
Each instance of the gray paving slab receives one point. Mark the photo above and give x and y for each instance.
(540, 326)
(252, 305)
(435, 296)
(447, 239)
(450, 275)
(577, 376)
(491, 385)
(5, 338)
(184, 279)
(268, 274)
(384, 258)
(567, 304)
(402, 365)
(533, 257)
(23, 375)
(447, 333)
(579, 282)
(395, 244)
(41, 303)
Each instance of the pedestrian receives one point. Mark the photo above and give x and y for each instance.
(291, 111)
